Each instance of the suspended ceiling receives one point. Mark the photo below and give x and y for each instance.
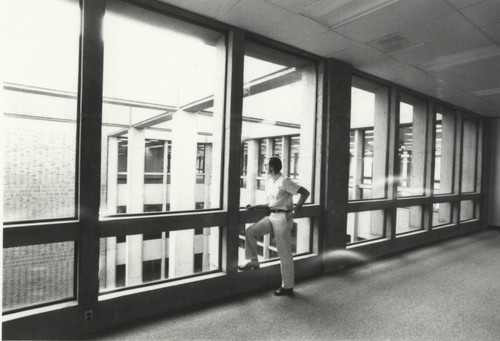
(447, 49)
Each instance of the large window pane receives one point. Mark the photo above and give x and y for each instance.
(266, 245)
(442, 213)
(410, 156)
(362, 226)
(38, 274)
(137, 259)
(162, 113)
(469, 154)
(444, 151)
(467, 210)
(369, 140)
(409, 219)
(39, 101)
(279, 116)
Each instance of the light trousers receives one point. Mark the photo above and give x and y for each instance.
(281, 224)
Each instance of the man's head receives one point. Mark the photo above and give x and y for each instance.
(274, 165)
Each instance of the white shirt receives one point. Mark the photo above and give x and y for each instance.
(280, 191)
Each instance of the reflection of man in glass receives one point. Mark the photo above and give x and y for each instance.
(280, 191)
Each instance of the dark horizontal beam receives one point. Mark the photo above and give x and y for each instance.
(43, 233)
(128, 225)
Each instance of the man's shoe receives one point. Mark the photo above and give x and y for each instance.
(249, 266)
(284, 292)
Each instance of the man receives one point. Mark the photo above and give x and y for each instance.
(280, 191)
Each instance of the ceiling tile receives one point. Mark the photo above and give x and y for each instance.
(456, 50)
(493, 31)
(211, 8)
(272, 21)
(393, 18)
(431, 30)
(295, 6)
(463, 3)
(413, 54)
(484, 13)
(359, 56)
(325, 44)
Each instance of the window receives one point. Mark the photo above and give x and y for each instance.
(409, 219)
(369, 140)
(154, 257)
(411, 152)
(467, 210)
(167, 104)
(40, 109)
(279, 110)
(279, 119)
(444, 153)
(442, 214)
(363, 226)
(38, 274)
(469, 154)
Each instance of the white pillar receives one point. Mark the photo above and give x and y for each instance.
(252, 170)
(182, 190)
(135, 202)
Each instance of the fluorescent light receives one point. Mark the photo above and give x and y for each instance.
(487, 92)
(460, 58)
(339, 12)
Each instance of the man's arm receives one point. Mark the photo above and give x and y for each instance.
(304, 194)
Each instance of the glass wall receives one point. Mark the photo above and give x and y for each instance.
(163, 256)
(369, 140)
(363, 226)
(162, 113)
(39, 135)
(161, 142)
(40, 113)
(409, 219)
(442, 214)
(279, 118)
(411, 147)
(444, 131)
(469, 154)
(38, 274)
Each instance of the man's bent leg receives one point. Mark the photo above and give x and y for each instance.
(258, 229)
(282, 234)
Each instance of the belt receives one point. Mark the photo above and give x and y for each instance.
(274, 210)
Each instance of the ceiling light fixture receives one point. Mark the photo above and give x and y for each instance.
(340, 12)
(460, 58)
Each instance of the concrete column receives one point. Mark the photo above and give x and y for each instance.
(357, 165)
(447, 148)
(285, 143)
(307, 88)
(380, 143)
(135, 202)
(111, 205)
(110, 262)
(112, 176)
(307, 95)
(182, 191)
(163, 253)
(252, 170)
(210, 196)
(267, 237)
(165, 177)
(469, 155)
(303, 235)
(417, 171)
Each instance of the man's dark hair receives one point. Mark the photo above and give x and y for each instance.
(275, 162)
